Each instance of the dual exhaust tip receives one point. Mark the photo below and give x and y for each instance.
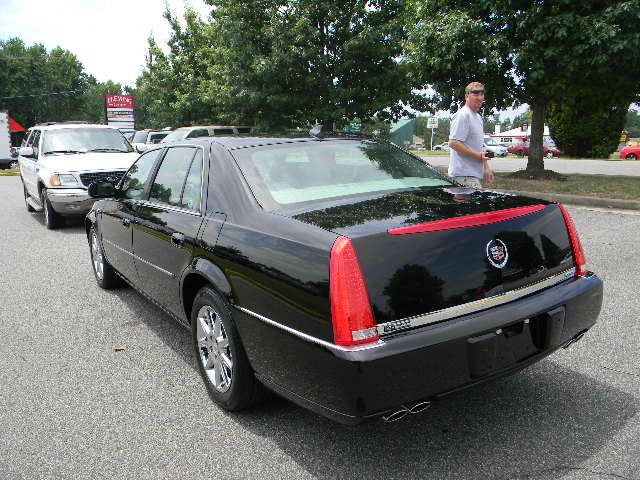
(574, 339)
(420, 407)
(405, 410)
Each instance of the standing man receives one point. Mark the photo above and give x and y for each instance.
(468, 163)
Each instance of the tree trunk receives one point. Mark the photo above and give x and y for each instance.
(535, 163)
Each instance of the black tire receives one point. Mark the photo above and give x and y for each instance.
(238, 388)
(632, 156)
(106, 276)
(520, 153)
(549, 155)
(52, 220)
(26, 196)
(13, 164)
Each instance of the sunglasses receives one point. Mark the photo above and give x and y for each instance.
(477, 92)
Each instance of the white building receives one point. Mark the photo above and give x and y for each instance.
(515, 135)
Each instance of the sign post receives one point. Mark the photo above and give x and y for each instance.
(432, 123)
(119, 111)
(5, 137)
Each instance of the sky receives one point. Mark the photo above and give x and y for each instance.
(108, 37)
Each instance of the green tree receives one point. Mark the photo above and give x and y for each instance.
(525, 52)
(176, 88)
(632, 123)
(37, 85)
(283, 63)
(589, 128)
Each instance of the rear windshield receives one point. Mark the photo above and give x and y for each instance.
(302, 172)
(70, 140)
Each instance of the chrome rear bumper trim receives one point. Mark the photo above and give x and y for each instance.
(471, 307)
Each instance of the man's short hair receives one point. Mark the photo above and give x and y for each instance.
(473, 86)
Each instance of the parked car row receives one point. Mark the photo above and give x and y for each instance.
(342, 273)
(522, 149)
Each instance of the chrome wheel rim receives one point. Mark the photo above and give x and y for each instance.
(213, 349)
(13, 164)
(96, 256)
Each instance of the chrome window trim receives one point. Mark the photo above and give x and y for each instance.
(138, 258)
(167, 207)
(309, 338)
(471, 307)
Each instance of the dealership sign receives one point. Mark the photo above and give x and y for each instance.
(119, 111)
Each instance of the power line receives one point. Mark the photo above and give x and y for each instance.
(68, 92)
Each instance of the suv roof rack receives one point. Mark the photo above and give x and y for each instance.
(67, 122)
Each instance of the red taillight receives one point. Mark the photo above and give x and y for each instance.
(351, 313)
(578, 252)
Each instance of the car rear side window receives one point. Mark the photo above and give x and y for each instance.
(136, 179)
(223, 131)
(172, 175)
(198, 132)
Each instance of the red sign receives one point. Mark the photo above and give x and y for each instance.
(118, 101)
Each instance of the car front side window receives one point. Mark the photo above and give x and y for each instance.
(172, 175)
(136, 179)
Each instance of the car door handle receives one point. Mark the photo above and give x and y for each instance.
(177, 240)
(126, 222)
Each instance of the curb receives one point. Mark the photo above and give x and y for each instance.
(581, 200)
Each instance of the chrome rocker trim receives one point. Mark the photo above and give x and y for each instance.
(421, 320)
(138, 258)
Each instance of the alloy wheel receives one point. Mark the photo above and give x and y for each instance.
(214, 350)
(96, 256)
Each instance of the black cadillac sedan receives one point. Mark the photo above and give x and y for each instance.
(344, 274)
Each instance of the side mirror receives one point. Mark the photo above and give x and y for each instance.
(26, 152)
(140, 147)
(101, 190)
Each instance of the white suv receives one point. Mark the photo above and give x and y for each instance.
(58, 161)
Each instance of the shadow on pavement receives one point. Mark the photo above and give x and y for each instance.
(539, 423)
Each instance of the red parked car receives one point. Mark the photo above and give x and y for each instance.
(521, 149)
(630, 152)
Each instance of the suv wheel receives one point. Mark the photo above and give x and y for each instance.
(51, 219)
(221, 359)
(520, 153)
(632, 156)
(105, 274)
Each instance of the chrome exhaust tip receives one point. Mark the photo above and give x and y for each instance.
(404, 410)
(578, 336)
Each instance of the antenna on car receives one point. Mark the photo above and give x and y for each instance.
(318, 131)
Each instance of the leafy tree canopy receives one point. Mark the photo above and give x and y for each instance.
(524, 52)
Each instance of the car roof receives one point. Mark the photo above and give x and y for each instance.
(192, 127)
(56, 126)
(236, 142)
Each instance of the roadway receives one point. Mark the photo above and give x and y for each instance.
(560, 165)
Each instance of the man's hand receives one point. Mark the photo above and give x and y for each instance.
(488, 174)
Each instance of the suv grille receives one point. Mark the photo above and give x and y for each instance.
(87, 178)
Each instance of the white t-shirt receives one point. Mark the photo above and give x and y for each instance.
(466, 126)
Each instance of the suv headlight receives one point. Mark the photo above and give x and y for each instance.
(64, 180)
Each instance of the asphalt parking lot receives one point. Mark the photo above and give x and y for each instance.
(71, 406)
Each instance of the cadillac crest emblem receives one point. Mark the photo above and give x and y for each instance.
(497, 253)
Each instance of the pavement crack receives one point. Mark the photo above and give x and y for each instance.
(620, 371)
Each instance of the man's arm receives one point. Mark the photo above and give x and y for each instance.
(462, 149)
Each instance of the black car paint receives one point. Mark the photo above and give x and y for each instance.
(275, 265)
